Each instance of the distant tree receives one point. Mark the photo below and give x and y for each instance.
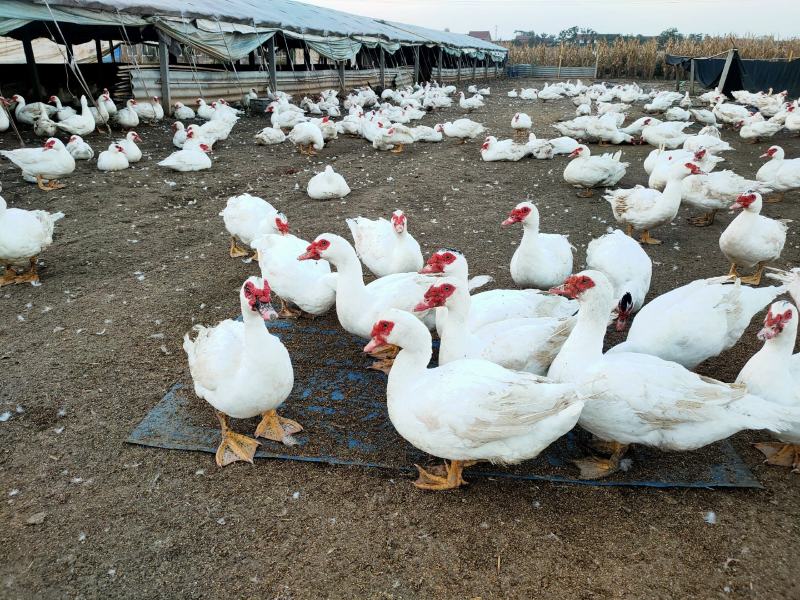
(568, 35)
(447, 29)
(695, 37)
(669, 35)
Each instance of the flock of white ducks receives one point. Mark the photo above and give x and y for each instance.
(518, 368)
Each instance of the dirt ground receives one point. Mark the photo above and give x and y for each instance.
(142, 255)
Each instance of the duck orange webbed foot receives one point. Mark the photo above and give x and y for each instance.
(288, 313)
(441, 477)
(594, 467)
(277, 428)
(646, 238)
(781, 454)
(236, 250)
(755, 278)
(704, 220)
(234, 446)
(587, 193)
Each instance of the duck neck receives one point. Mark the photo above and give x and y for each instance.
(584, 346)
(255, 332)
(672, 191)
(350, 287)
(455, 335)
(411, 362)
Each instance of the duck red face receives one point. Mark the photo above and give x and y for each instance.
(574, 286)
(436, 296)
(774, 324)
(50, 144)
(770, 153)
(743, 201)
(282, 224)
(438, 262)
(486, 143)
(315, 249)
(398, 220)
(700, 154)
(515, 216)
(135, 137)
(260, 300)
(694, 169)
(379, 334)
(575, 152)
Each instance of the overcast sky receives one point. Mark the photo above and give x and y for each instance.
(648, 17)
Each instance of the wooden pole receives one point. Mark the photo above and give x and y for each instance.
(416, 64)
(458, 70)
(273, 73)
(31, 60)
(474, 67)
(251, 59)
(111, 51)
(70, 53)
(560, 58)
(382, 66)
(163, 61)
(691, 79)
(677, 79)
(98, 48)
(596, 62)
(307, 58)
(439, 65)
(724, 77)
(341, 65)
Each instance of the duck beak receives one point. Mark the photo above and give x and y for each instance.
(374, 344)
(266, 310)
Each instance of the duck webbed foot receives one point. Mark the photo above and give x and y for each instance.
(646, 238)
(50, 185)
(288, 313)
(781, 454)
(703, 220)
(755, 278)
(441, 477)
(587, 193)
(277, 428)
(398, 149)
(774, 198)
(234, 446)
(237, 250)
(595, 467)
(10, 276)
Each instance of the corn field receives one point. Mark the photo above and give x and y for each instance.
(635, 59)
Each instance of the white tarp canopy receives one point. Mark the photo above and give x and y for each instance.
(232, 28)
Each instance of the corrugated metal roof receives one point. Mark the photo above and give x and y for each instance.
(285, 15)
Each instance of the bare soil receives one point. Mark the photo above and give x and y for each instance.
(142, 255)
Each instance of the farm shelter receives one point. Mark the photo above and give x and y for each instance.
(731, 72)
(213, 48)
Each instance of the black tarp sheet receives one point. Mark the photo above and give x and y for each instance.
(745, 74)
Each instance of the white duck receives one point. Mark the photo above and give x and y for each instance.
(706, 117)
(247, 218)
(179, 134)
(755, 130)
(521, 123)
(79, 149)
(327, 185)
(521, 344)
(423, 133)
(540, 149)
(307, 137)
(24, 234)
(504, 150)
(109, 104)
(466, 410)
(462, 129)
(5, 120)
(243, 371)
(44, 165)
(773, 373)
(99, 112)
(542, 260)
(564, 145)
(269, 136)
(708, 137)
(696, 321)
(204, 111)
(660, 174)
(182, 112)
(715, 191)
(585, 171)
(127, 117)
(82, 124)
(132, 152)
(752, 240)
(668, 134)
(644, 208)
(643, 399)
(635, 128)
(606, 130)
(494, 305)
(191, 159)
(309, 284)
(62, 112)
(357, 305)
(677, 114)
(470, 104)
(146, 111)
(627, 267)
(113, 159)
(779, 173)
(386, 247)
(43, 126)
(26, 113)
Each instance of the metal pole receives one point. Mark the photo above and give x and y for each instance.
(416, 64)
(439, 65)
(677, 79)
(485, 69)
(724, 77)
(163, 60)
(98, 48)
(31, 60)
(341, 75)
(382, 66)
(273, 74)
(691, 79)
(474, 67)
(458, 70)
(111, 51)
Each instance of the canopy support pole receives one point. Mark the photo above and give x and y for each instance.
(98, 48)
(163, 62)
(485, 69)
(458, 70)
(307, 58)
(677, 79)
(111, 51)
(474, 67)
(724, 77)
(273, 74)
(31, 60)
(416, 64)
(439, 65)
(691, 79)
(340, 66)
(70, 53)
(251, 59)
(382, 66)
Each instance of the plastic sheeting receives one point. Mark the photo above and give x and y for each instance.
(220, 45)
